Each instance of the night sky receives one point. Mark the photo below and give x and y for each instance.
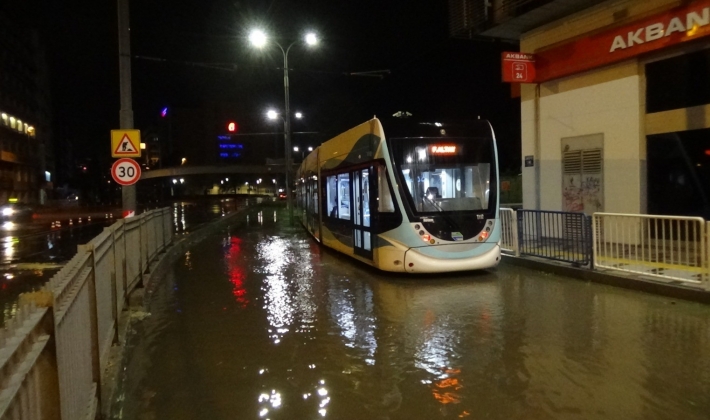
(207, 60)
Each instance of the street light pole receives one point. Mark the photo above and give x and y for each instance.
(259, 39)
(287, 137)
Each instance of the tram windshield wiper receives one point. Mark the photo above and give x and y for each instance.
(433, 203)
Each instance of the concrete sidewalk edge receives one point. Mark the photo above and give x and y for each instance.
(631, 281)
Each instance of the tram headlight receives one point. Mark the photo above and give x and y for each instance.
(426, 238)
(483, 236)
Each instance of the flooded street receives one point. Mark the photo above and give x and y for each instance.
(31, 253)
(260, 322)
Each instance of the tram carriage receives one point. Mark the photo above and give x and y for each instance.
(405, 196)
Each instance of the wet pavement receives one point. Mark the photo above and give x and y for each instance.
(259, 322)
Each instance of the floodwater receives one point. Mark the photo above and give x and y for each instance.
(32, 252)
(259, 322)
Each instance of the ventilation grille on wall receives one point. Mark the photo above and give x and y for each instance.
(587, 161)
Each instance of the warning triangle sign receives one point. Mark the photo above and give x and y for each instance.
(125, 146)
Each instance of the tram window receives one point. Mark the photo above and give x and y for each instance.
(366, 197)
(344, 196)
(447, 189)
(384, 203)
(314, 192)
(332, 196)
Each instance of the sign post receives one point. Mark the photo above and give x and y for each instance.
(128, 192)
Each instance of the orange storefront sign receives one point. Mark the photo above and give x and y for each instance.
(680, 24)
(518, 67)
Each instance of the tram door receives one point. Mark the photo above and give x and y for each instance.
(362, 231)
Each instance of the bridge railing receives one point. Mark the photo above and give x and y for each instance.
(54, 351)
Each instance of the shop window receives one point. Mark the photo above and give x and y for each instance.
(678, 173)
(678, 82)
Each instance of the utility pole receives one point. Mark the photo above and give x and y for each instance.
(128, 192)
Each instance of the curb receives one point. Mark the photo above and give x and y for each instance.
(632, 282)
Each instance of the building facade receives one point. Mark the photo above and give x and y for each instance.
(26, 161)
(617, 116)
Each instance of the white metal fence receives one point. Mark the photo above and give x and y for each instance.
(54, 351)
(509, 231)
(668, 247)
(672, 248)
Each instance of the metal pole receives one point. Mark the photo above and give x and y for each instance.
(287, 141)
(128, 193)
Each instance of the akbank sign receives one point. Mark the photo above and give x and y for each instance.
(691, 23)
(681, 24)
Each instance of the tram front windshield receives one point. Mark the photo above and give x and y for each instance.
(445, 174)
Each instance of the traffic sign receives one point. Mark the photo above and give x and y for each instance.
(125, 143)
(126, 171)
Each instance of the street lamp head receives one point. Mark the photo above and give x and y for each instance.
(271, 114)
(295, 148)
(311, 38)
(310, 148)
(298, 115)
(257, 38)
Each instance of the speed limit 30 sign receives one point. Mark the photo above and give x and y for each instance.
(126, 171)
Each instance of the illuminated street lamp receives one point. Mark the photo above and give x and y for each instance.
(259, 39)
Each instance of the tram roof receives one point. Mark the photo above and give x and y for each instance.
(409, 127)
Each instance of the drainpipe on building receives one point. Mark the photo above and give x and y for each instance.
(537, 148)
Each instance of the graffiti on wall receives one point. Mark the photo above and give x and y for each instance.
(582, 193)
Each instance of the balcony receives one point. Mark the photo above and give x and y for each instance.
(507, 19)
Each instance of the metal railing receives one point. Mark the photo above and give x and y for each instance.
(509, 231)
(54, 351)
(555, 235)
(668, 247)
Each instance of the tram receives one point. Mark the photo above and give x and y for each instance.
(405, 196)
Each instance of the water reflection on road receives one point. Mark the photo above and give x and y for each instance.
(260, 322)
(31, 252)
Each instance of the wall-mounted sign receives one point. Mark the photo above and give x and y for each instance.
(684, 23)
(518, 67)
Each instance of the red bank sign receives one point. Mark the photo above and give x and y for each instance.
(681, 24)
(518, 67)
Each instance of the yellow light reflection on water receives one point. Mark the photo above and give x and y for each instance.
(9, 246)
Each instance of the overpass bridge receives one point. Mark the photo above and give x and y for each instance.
(181, 171)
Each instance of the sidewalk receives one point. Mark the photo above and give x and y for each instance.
(669, 288)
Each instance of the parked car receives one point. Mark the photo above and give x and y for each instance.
(14, 212)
